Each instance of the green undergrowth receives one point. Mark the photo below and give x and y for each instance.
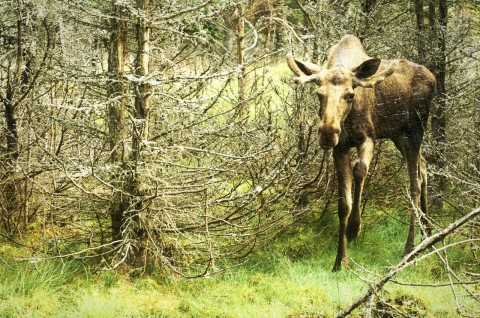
(291, 277)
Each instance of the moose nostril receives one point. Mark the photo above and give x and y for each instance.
(329, 128)
(336, 129)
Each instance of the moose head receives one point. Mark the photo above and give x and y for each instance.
(335, 88)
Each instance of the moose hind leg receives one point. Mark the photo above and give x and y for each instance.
(424, 197)
(411, 152)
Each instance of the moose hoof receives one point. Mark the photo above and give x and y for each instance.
(339, 262)
(337, 267)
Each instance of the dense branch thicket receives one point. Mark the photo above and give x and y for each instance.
(170, 132)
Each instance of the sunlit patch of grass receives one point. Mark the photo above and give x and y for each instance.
(38, 303)
(255, 294)
(34, 289)
(95, 304)
(291, 277)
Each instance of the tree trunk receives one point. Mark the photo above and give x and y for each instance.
(141, 115)
(367, 10)
(11, 207)
(431, 53)
(17, 88)
(242, 77)
(117, 104)
(420, 17)
(11, 126)
(438, 121)
(229, 16)
(143, 89)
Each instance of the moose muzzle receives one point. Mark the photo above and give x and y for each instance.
(329, 135)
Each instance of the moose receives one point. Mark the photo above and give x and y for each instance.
(363, 99)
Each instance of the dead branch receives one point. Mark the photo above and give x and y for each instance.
(409, 260)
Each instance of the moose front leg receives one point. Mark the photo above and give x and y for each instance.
(360, 171)
(341, 158)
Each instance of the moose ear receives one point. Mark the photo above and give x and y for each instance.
(308, 68)
(301, 68)
(366, 69)
(366, 74)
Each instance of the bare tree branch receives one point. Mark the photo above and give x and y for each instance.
(409, 260)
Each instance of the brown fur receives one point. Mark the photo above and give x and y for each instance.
(361, 100)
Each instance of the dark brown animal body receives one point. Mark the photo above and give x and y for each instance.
(361, 100)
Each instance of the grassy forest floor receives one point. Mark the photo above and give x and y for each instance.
(289, 278)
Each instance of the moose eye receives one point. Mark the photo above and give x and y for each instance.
(349, 97)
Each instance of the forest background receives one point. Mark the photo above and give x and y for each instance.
(168, 136)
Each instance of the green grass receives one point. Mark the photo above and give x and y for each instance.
(289, 278)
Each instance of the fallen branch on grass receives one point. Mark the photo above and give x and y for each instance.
(409, 260)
